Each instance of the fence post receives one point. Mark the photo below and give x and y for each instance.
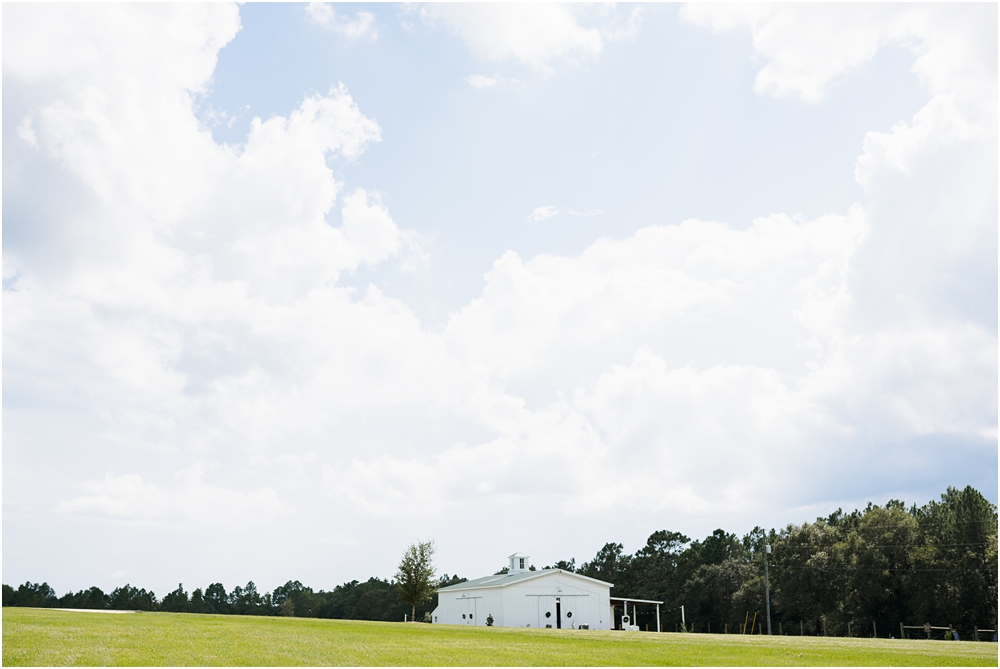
(902, 634)
(874, 630)
(848, 628)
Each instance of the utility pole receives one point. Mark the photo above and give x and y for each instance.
(683, 625)
(767, 588)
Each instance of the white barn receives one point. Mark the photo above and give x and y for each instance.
(522, 598)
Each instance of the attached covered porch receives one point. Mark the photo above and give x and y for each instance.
(625, 613)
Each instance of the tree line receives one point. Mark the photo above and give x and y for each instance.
(374, 599)
(862, 573)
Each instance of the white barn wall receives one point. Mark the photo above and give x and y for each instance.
(480, 603)
(523, 603)
(527, 602)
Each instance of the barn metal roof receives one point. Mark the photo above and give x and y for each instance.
(501, 580)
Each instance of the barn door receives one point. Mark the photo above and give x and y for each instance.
(546, 611)
(469, 617)
(570, 614)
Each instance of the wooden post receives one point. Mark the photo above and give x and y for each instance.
(745, 620)
(780, 633)
(754, 623)
(760, 629)
(902, 634)
(823, 620)
(848, 628)
(976, 632)
(709, 628)
(727, 628)
(801, 633)
(874, 630)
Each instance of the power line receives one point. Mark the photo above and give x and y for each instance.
(908, 571)
(920, 524)
(913, 545)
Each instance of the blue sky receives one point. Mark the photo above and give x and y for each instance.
(334, 278)
(646, 144)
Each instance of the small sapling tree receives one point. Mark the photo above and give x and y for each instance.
(415, 578)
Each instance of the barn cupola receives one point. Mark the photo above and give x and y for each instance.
(518, 563)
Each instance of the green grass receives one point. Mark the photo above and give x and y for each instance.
(47, 637)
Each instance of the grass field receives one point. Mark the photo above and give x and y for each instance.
(47, 637)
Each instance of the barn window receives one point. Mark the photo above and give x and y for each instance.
(522, 563)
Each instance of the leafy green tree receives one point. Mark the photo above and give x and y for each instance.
(176, 601)
(415, 576)
(717, 593)
(610, 564)
(659, 571)
(805, 579)
(92, 598)
(9, 596)
(36, 595)
(961, 542)
(198, 603)
(217, 599)
(247, 601)
(128, 598)
(304, 603)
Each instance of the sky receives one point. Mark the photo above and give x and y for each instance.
(288, 287)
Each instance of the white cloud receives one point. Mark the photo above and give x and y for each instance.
(614, 31)
(482, 81)
(193, 256)
(532, 34)
(805, 49)
(552, 309)
(26, 133)
(325, 15)
(189, 501)
(542, 213)
(193, 308)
